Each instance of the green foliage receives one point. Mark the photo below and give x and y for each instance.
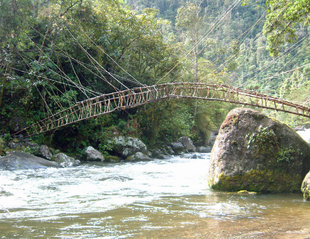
(208, 118)
(282, 21)
(32, 150)
(165, 122)
(189, 18)
(288, 155)
(264, 141)
(44, 66)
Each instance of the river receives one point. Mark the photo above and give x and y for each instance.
(157, 199)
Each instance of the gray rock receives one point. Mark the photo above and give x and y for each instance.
(25, 145)
(138, 157)
(157, 153)
(127, 152)
(212, 138)
(177, 147)
(204, 149)
(15, 145)
(187, 143)
(30, 144)
(305, 187)
(126, 146)
(65, 161)
(20, 160)
(45, 152)
(194, 156)
(149, 153)
(256, 153)
(197, 156)
(168, 150)
(92, 154)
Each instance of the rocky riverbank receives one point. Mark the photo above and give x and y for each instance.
(22, 153)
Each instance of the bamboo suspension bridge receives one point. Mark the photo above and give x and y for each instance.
(131, 98)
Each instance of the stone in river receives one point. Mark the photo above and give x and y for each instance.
(305, 187)
(91, 154)
(65, 161)
(20, 160)
(256, 153)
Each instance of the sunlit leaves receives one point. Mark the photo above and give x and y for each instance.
(281, 22)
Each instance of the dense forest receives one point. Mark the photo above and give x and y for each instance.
(55, 53)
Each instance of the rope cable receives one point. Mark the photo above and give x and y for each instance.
(81, 88)
(104, 52)
(64, 76)
(86, 52)
(205, 36)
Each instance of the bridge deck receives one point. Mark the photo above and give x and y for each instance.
(135, 97)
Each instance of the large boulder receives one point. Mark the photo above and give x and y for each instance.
(158, 153)
(20, 160)
(177, 147)
(168, 150)
(127, 146)
(212, 138)
(25, 145)
(256, 153)
(204, 149)
(187, 143)
(91, 154)
(64, 160)
(305, 187)
(45, 152)
(16, 144)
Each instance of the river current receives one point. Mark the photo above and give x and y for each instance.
(156, 199)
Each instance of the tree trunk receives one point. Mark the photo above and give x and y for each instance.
(13, 7)
(4, 79)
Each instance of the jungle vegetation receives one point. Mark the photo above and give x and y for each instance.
(56, 52)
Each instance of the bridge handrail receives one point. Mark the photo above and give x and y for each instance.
(167, 90)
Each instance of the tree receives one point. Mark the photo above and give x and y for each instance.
(282, 21)
(14, 19)
(189, 20)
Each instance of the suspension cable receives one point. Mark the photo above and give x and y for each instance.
(204, 37)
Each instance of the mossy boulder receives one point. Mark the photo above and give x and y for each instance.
(256, 153)
(124, 146)
(2, 147)
(305, 187)
(112, 159)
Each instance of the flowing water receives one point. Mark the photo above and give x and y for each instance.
(305, 134)
(157, 199)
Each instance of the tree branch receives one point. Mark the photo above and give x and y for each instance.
(71, 6)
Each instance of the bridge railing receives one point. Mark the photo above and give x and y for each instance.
(121, 100)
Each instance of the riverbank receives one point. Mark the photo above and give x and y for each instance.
(23, 153)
